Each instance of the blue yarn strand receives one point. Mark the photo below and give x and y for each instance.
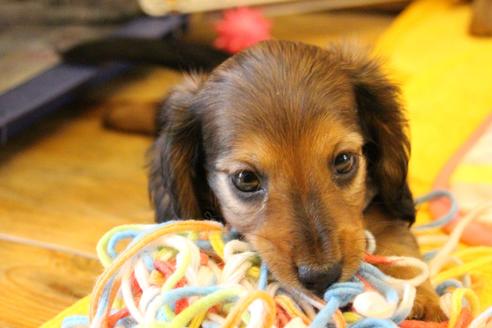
(324, 315)
(104, 302)
(117, 237)
(75, 321)
(446, 218)
(338, 295)
(442, 288)
(374, 323)
(263, 280)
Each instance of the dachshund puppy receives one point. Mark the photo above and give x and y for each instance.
(300, 149)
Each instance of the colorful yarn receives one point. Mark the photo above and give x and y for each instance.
(197, 274)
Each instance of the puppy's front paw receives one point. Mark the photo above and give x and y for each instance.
(426, 306)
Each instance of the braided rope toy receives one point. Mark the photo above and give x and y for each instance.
(197, 274)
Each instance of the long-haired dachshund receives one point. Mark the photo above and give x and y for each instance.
(298, 148)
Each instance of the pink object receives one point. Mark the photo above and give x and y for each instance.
(477, 232)
(241, 28)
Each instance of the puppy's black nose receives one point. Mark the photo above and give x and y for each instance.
(319, 279)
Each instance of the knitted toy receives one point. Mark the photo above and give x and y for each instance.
(198, 274)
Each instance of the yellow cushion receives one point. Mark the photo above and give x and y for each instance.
(80, 307)
(446, 79)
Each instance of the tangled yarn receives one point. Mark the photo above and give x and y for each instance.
(198, 274)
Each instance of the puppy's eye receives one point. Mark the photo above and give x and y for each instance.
(246, 181)
(344, 163)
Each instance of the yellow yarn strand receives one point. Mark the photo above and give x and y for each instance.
(457, 304)
(201, 305)
(473, 252)
(217, 243)
(351, 317)
(461, 270)
(234, 316)
(254, 272)
(291, 308)
(197, 321)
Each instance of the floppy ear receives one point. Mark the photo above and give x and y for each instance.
(383, 123)
(177, 183)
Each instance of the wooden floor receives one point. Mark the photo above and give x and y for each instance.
(68, 180)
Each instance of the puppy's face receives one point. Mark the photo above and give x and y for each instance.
(280, 150)
(291, 174)
(299, 202)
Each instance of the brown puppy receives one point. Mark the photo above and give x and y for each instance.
(300, 149)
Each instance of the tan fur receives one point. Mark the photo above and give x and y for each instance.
(131, 117)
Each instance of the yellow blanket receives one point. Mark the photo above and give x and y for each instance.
(446, 77)
(446, 80)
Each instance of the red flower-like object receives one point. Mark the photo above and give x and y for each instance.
(241, 28)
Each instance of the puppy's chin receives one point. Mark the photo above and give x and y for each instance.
(279, 260)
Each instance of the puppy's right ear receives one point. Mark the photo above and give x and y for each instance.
(176, 155)
(383, 123)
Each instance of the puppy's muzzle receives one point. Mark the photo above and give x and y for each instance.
(318, 279)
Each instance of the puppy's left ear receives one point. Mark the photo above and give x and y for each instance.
(177, 178)
(383, 123)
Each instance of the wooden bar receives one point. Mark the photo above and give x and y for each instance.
(25, 104)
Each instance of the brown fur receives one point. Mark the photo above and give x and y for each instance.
(131, 117)
(285, 110)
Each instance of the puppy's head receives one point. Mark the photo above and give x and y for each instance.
(288, 143)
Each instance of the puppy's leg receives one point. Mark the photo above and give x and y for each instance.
(393, 237)
(138, 117)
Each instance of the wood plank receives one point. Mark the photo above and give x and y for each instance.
(324, 27)
(318, 28)
(270, 6)
(37, 283)
(69, 180)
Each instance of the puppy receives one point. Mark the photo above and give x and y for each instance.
(300, 149)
